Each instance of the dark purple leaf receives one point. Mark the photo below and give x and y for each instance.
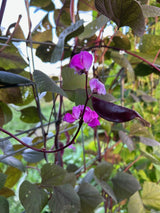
(115, 113)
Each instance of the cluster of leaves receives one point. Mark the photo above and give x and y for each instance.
(125, 169)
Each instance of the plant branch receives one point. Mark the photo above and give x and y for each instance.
(11, 36)
(3, 6)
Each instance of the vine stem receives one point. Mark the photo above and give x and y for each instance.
(128, 167)
(11, 36)
(128, 52)
(59, 149)
(3, 6)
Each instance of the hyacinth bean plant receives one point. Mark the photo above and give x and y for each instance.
(86, 137)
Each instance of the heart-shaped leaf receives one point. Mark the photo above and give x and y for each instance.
(151, 195)
(115, 113)
(103, 170)
(135, 204)
(32, 197)
(123, 13)
(89, 196)
(124, 185)
(64, 199)
(52, 175)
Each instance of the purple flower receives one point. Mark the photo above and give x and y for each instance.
(97, 87)
(90, 117)
(81, 62)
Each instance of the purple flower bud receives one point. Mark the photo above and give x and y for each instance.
(97, 86)
(81, 62)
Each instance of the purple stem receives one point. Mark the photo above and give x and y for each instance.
(130, 53)
(59, 149)
(3, 5)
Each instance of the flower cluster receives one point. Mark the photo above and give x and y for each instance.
(81, 63)
(90, 117)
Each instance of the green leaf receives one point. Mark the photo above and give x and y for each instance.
(2, 179)
(86, 5)
(32, 156)
(135, 204)
(58, 50)
(149, 156)
(64, 20)
(150, 44)
(123, 13)
(6, 192)
(30, 115)
(89, 176)
(91, 28)
(138, 129)
(6, 146)
(72, 80)
(149, 141)
(126, 140)
(123, 62)
(52, 175)
(8, 78)
(107, 189)
(12, 161)
(124, 185)
(150, 11)
(32, 197)
(64, 200)
(43, 32)
(121, 41)
(13, 175)
(4, 205)
(45, 5)
(5, 114)
(44, 51)
(151, 195)
(46, 84)
(103, 170)
(89, 197)
(70, 178)
(11, 59)
(144, 69)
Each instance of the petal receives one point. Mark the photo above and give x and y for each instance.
(95, 122)
(76, 63)
(94, 115)
(87, 116)
(87, 59)
(97, 86)
(81, 61)
(69, 118)
(76, 111)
